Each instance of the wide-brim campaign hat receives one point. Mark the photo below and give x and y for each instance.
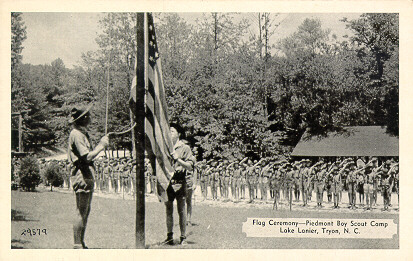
(334, 168)
(77, 114)
(279, 162)
(351, 163)
(288, 165)
(178, 128)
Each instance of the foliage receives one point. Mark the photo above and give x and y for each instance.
(29, 173)
(54, 174)
(18, 35)
(321, 84)
(26, 95)
(232, 97)
(377, 34)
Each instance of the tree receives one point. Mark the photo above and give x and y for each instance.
(113, 64)
(316, 84)
(54, 175)
(29, 173)
(214, 93)
(18, 35)
(377, 35)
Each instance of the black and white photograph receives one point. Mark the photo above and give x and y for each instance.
(211, 129)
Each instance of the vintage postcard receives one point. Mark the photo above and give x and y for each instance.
(216, 129)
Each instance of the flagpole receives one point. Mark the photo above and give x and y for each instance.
(140, 130)
(107, 102)
(107, 86)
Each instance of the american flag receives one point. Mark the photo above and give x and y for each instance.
(158, 140)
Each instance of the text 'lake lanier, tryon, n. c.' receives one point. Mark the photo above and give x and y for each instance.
(319, 228)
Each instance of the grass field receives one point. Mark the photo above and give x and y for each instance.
(112, 224)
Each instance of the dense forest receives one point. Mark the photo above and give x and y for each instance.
(234, 92)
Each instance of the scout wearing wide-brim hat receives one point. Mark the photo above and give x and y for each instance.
(288, 165)
(351, 163)
(179, 129)
(77, 114)
(277, 163)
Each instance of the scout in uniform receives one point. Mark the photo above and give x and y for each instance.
(257, 172)
(394, 172)
(351, 183)
(289, 182)
(271, 181)
(81, 155)
(265, 180)
(236, 181)
(227, 180)
(276, 184)
(183, 163)
(221, 180)
(243, 181)
(251, 183)
(214, 183)
(369, 177)
(389, 164)
(296, 185)
(204, 180)
(265, 183)
(360, 186)
(191, 180)
(259, 183)
(320, 179)
(336, 186)
(385, 182)
(328, 186)
(376, 181)
(305, 180)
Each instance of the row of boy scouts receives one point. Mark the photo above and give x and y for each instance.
(292, 180)
(278, 180)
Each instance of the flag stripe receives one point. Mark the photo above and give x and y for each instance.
(157, 93)
(163, 179)
(156, 148)
(161, 90)
(153, 108)
(158, 142)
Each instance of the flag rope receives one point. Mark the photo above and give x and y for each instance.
(121, 132)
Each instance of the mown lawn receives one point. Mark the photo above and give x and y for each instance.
(112, 225)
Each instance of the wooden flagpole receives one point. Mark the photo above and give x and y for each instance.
(140, 130)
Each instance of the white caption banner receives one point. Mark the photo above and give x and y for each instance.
(319, 228)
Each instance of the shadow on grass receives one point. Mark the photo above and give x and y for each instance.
(19, 216)
(176, 244)
(18, 244)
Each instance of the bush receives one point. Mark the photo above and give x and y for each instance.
(54, 175)
(29, 173)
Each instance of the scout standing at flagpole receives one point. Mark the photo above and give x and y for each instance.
(183, 163)
(81, 155)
